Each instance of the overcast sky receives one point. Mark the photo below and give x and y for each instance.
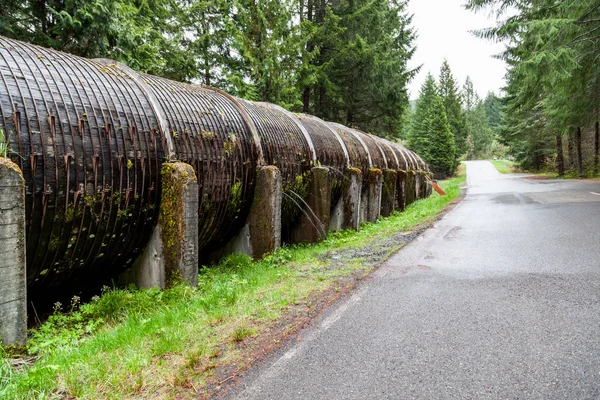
(443, 32)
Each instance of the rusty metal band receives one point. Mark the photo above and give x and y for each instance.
(406, 158)
(423, 163)
(412, 158)
(403, 158)
(337, 136)
(291, 115)
(158, 111)
(247, 120)
(388, 144)
(357, 137)
(377, 143)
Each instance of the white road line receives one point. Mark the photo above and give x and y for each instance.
(597, 194)
(278, 367)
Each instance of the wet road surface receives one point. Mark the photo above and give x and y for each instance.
(500, 299)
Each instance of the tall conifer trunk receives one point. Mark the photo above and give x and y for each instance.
(579, 155)
(560, 158)
(309, 48)
(571, 150)
(596, 148)
(322, 101)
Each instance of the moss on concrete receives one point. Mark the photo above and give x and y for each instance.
(297, 187)
(176, 177)
(374, 175)
(6, 163)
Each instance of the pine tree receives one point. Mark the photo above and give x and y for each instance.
(268, 48)
(367, 73)
(553, 80)
(480, 136)
(206, 26)
(430, 135)
(453, 105)
(493, 111)
(147, 36)
(321, 29)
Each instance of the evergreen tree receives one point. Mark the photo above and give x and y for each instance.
(321, 28)
(493, 111)
(147, 36)
(367, 74)
(553, 80)
(268, 48)
(480, 136)
(453, 106)
(430, 135)
(206, 25)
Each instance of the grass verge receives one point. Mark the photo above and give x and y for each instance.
(505, 166)
(182, 342)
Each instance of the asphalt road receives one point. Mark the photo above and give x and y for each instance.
(499, 300)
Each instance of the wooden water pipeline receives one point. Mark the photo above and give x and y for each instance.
(92, 139)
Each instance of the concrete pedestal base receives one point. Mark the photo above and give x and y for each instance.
(388, 192)
(410, 194)
(336, 220)
(419, 185)
(264, 221)
(13, 276)
(261, 234)
(171, 255)
(314, 221)
(401, 190)
(352, 198)
(428, 187)
(375, 183)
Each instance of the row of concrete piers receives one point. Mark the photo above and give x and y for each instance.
(172, 255)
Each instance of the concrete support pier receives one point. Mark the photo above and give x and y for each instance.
(352, 198)
(388, 193)
(419, 179)
(13, 277)
(375, 184)
(261, 234)
(409, 193)
(172, 253)
(428, 187)
(314, 222)
(401, 190)
(264, 221)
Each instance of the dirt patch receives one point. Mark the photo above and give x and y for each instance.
(538, 178)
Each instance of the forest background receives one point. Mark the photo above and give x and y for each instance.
(347, 61)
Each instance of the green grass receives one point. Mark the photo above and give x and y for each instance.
(3, 144)
(150, 344)
(505, 166)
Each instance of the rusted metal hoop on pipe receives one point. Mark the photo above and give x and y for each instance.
(377, 140)
(407, 158)
(419, 162)
(291, 115)
(413, 159)
(247, 120)
(160, 115)
(363, 144)
(357, 137)
(337, 136)
(423, 163)
(403, 159)
(384, 141)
